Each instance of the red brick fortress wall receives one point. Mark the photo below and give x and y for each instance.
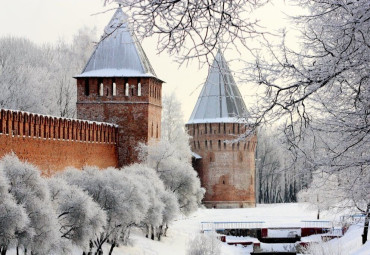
(53, 143)
(226, 170)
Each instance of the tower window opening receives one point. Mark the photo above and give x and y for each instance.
(132, 90)
(157, 132)
(238, 145)
(206, 144)
(238, 128)
(224, 128)
(114, 89)
(139, 89)
(101, 89)
(210, 128)
(87, 87)
(219, 127)
(224, 145)
(233, 128)
(219, 144)
(152, 129)
(205, 128)
(193, 131)
(126, 89)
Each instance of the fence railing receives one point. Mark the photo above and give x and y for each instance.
(317, 224)
(219, 225)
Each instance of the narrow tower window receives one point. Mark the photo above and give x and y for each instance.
(157, 133)
(206, 144)
(219, 144)
(139, 89)
(87, 87)
(132, 90)
(126, 89)
(114, 89)
(101, 89)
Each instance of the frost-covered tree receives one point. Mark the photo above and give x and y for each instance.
(80, 219)
(173, 127)
(13, 217)
(177, 174)
(163, 203)
(122, 197)
(203, 244)
(153, 190)
(40, 78)
(194, 28)
(30, 190)
(322, 193)
(170, 212)
(171, 158)
(323, 91)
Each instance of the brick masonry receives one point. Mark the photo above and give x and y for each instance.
(226, 170)
(137, 114)
(54, 143)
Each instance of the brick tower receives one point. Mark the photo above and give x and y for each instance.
(226, 169)
(118, 85)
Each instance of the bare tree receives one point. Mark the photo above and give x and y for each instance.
(194, 29)
(323, 92)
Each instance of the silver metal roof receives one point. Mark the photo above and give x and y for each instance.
(220, 99)
(119, 53)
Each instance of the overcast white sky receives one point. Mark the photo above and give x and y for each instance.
(44, 21)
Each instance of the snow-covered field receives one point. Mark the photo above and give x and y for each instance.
(276, 215)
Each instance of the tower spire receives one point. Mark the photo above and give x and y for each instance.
(220, 99)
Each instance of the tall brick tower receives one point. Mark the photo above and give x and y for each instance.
(118, 85)
(226, 169)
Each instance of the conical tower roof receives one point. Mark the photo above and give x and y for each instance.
(220, 99)
(119, 53)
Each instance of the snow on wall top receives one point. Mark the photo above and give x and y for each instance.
(3, 110)
(220, 99)
(119, 53)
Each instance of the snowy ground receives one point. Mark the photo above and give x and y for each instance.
(277, 215)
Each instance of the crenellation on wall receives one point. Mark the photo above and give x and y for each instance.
(16, 123)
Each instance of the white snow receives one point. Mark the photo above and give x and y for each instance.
(275, 215)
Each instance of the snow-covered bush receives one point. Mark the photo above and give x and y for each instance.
(204, 244)
(122, 197)
(13, 217)
(163, 204)
(177, 174)
(80, 218)
(30, 190)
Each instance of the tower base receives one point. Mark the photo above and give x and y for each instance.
(228, 204)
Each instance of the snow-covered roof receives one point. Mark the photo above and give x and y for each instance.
(220, 99)
(119, 53)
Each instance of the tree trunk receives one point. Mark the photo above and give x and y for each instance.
(152, 237)
(112, 247)
(366, 225)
